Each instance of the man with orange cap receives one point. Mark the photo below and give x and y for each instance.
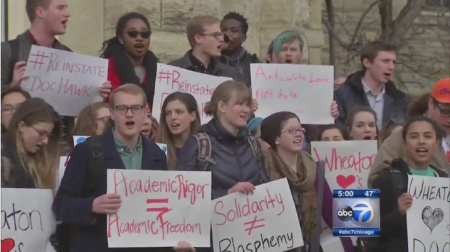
(438, 110)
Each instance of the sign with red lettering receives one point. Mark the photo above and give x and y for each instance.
(305, 90)
(171, 79)
(264, 221)
(347, 163)
(160, 208)
(68, 81)
(27, 220)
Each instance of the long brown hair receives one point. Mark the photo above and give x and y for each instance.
(87, 120)
(164, 135)
(43, 165)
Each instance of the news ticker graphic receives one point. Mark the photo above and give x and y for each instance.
(356, 213)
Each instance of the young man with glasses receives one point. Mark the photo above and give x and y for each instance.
(122, 148)
(438, 110)
(206, 38)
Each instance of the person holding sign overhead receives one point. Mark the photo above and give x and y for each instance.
(312, 195)
(81, 199)
(128, 54)
(179, 121)
(421, 137)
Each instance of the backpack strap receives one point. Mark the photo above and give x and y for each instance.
(14, 48)
(95, 164)
(204, 150)
(255, 147)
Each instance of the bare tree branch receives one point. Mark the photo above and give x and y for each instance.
(385, 9)
(403, 22)
(330, 12)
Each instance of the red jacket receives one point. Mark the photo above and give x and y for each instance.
(113, 77)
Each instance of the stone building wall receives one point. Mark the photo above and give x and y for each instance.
(94, 21)
(425, 53)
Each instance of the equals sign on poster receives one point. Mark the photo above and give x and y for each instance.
(157, 209)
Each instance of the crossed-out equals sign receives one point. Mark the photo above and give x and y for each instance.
(160, 210)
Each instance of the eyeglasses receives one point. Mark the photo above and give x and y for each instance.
(10, 109)
(444, 111)
(42, 134)
(217, 35)
(104, 118)
(134, 34)
(135, 109)
(293, 131)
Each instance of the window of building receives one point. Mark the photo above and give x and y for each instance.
(438, 3)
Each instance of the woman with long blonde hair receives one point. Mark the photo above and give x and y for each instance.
(30, 150)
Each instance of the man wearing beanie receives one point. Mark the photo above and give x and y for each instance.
(438, 110)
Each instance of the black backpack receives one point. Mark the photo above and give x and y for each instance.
(66, 232)
(399, 186)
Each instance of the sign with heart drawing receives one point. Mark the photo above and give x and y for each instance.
(428, 214)
(347, 163)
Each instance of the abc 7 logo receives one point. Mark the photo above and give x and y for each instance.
(360, 213)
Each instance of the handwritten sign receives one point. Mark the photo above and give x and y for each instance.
(305, 90)
(68, 81)
(259, 222)
(27, 219)
(163, 147)
(79, 139)
(429, 214)
(171, 79)
(160, 208)
(347, 163)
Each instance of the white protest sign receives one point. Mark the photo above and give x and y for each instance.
(160, 208)
(428, 218)
(163, 147)
(171, 79)
(68, 81)
(305, 90)
(259, 222)
(79, 139)
(27, 219)
(347, 163)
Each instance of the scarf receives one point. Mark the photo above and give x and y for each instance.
(127, 74)
(302, 181)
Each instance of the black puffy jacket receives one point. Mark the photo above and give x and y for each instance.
(235, 159)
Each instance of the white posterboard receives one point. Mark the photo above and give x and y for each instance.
(68, 81)
(160, 208)
(163, 147)
(244, 222)
(347, 163)
(79, 139)
(27, 219)
(171, 79)
(305, 90)
(428, 218)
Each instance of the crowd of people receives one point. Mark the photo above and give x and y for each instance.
(242, 151)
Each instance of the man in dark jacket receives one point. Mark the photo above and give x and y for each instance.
(205, 37)
(122, 148)
(235, 28)
(372, 86)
